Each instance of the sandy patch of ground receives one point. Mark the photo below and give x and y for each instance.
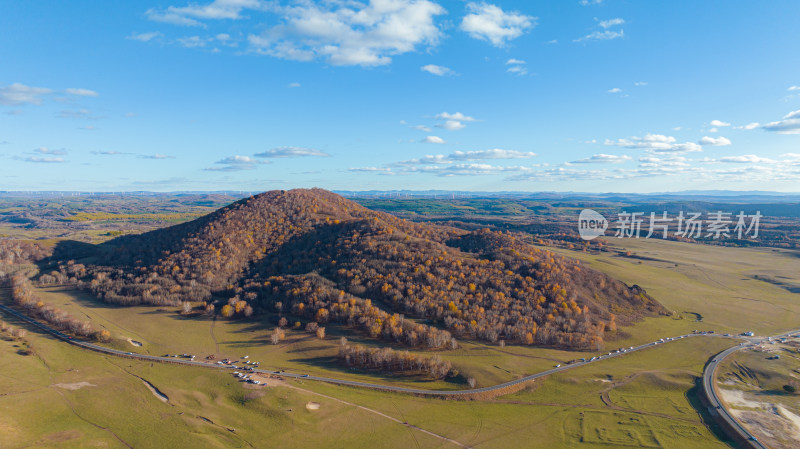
(736, 399)
(312, 405)
(135, 343)
(74, 386)
(772, 423)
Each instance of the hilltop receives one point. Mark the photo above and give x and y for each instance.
(317, 256)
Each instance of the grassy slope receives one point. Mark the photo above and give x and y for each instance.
(715, 282)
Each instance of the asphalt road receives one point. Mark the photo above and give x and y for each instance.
(710, 387)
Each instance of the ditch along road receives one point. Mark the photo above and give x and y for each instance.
(381, 387)
(710, 388)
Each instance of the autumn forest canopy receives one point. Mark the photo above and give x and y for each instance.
(315, 256)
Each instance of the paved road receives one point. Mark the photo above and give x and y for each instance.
(710, 387)
(391, 388)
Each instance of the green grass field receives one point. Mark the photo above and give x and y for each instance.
(645, 399)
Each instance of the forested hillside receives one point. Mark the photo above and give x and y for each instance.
(316, 255)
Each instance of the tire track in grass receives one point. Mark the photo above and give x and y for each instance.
(376, 412)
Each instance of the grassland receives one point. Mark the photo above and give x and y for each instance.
(727, 288)
(615, 403)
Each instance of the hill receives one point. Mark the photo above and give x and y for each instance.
(318, 256)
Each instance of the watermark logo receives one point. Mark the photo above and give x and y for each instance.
(591, 224)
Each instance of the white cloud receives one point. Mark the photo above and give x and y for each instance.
(192, 42)
(752, 125)
(421, 128)
(606, 35)
(457, 116)
(747, 158)
(790, 124)
(657, 143)
(145, 37)
(791, 88)
(82, 92)
(489, 22)
(433, 139)
(294, 85)
(192, 14)
(671, 161)
(350, 33)
(460, 156)
(156, 156)
(384, 170)
(44, 150)
(281, 152)
(606, 24)
(236, 163)
(45, 160)
(517, 70)
(640, 83)
(452, 125)
(495, 153)
(715, 141)
(437, 70)
(719, 123)
(603, 159)
(19, 94)
(513, 61)
(615, 90)
(589, 2)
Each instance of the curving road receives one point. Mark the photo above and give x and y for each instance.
(391, 388)
(710, 388)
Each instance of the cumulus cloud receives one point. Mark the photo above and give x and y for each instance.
(517, 66)
(284, 152)
(615, 90)
(350, 33)
(45, 160)
(669, 161)
(192, 14)
(605, 33)
(82, 92)
(457, 116)
(44, 150)
(19, 94)
(437, 70)
(752, 125)
(192, 42)
(145, 37)
(452, 125)
(792, 88)
(657, 143)
(433, 139)
(715, 141)
(155, 156)
(236, 163)
(747, 158)
(719, 123)
(602, 158)
(589, 2)
(460, 156)
(790, 124)
(606, 24)
(489, 22)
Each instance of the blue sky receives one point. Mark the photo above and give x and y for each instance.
(596, 96)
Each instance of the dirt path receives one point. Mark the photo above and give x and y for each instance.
(214, 337)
